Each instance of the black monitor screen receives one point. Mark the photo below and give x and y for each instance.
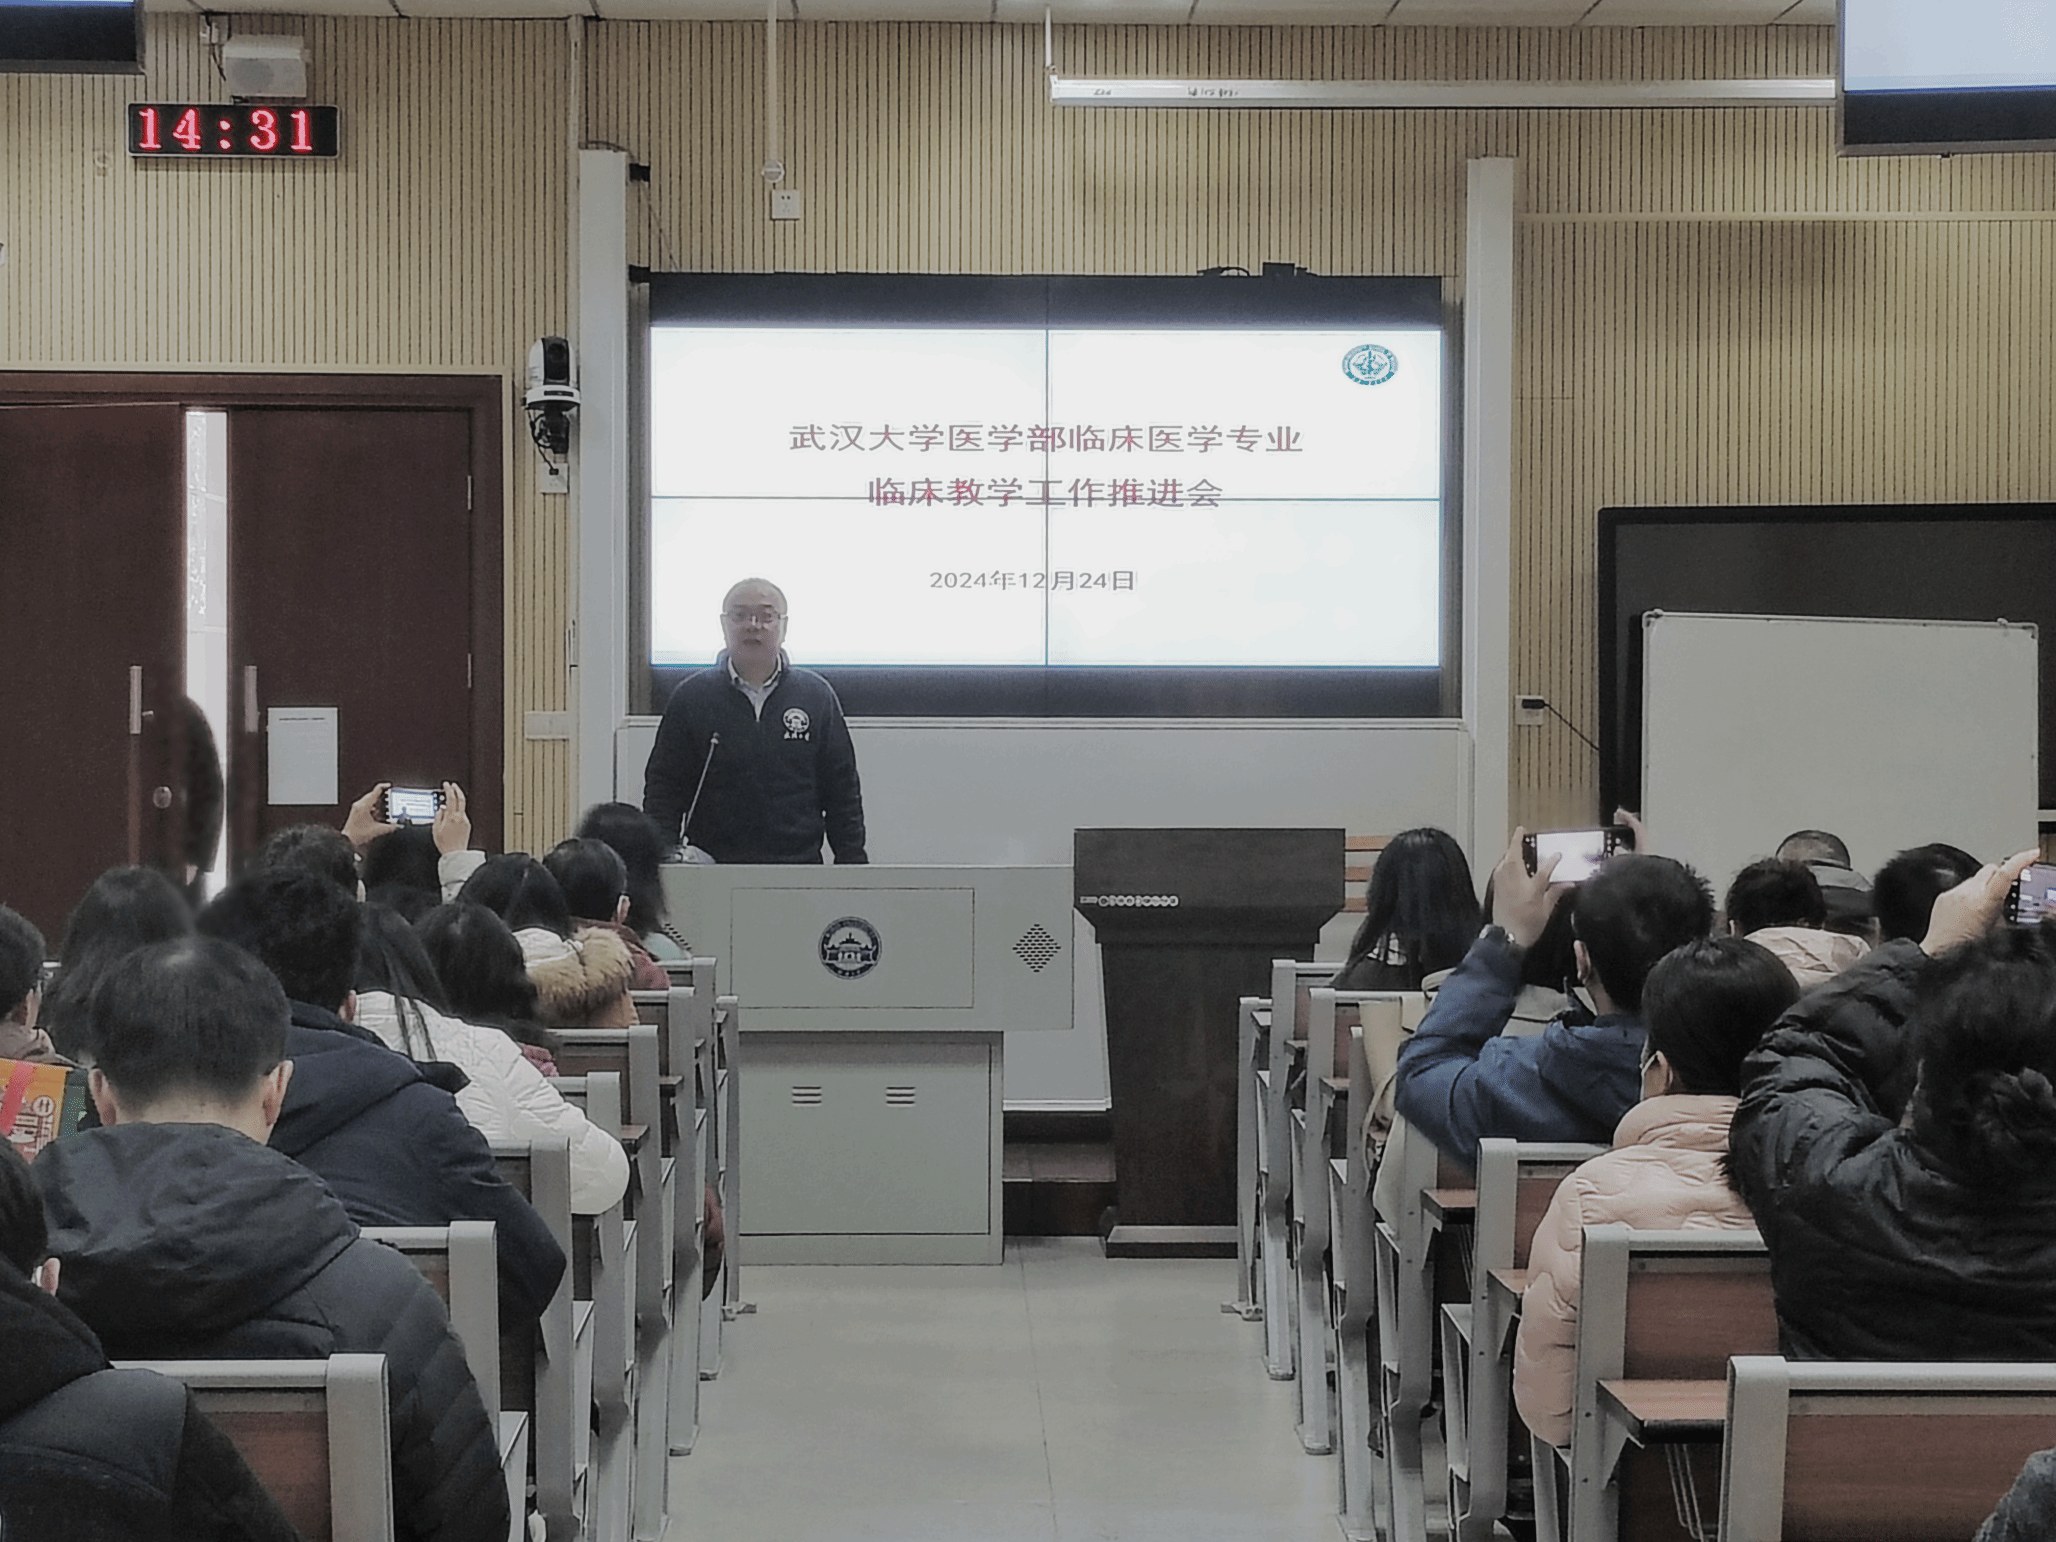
(93, 37)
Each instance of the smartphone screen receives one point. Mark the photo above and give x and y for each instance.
(2034, 894)
(1581, 853)
(412, 805)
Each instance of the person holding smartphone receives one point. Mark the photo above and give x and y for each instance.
(1460, 1080)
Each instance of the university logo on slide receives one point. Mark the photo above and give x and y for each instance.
(849, 948)
(1370, 364)
(796, 723)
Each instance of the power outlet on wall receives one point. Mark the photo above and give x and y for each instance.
(552, 477)
(1530, 711)
(785, 203)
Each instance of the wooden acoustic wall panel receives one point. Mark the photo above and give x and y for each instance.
(435, 243)
(1710, 304)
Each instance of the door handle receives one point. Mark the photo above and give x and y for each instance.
(250, 723)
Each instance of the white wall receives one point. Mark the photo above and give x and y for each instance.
(1012, 791)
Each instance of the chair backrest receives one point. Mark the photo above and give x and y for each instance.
(1887, 1453)
(1516, 1181)
(459, 1261)
(317, 1434)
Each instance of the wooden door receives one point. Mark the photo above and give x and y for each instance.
(92, 563)
(350, 539)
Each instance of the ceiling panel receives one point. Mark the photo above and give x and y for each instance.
(1813, 13)
(494, 10)
(1290, 13)
(899, 10)
(1110, 12)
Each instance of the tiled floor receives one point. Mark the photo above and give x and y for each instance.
(1062, 1397)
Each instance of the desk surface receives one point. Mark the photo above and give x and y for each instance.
(1508, 1285)
(1660, 1411)
(1447, 1205)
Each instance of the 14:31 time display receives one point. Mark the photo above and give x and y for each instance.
(183, 129)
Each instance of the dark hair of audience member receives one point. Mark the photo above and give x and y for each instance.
(21, 960)
(198, 1015)
(591, 874)
(519, 890)
(124, 909)
(1632, 912)
(308, 848)
(1985, 1025)
(1421, 904)
(1707, 1004)
(1813, 846)
(1907, 886)
(640, 845)
(404, 900)
(299, 925)
(24, 1230)
(1552, 963)
(406, 857)
(484, 977)
(1774, 893)
(390, 958)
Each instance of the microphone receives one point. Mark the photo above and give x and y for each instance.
(684, 824)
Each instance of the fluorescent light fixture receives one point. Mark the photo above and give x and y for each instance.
(1445, 95)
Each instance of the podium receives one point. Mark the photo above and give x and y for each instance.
(872, 1003)
(1188, 922)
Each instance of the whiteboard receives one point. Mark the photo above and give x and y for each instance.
(1889, 733)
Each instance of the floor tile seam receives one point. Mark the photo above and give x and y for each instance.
(1049, 1479)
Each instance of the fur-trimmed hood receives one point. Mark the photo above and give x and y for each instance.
(583, 981)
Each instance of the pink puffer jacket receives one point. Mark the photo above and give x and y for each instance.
(1662, 1175)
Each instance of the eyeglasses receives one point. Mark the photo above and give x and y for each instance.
(762, 615)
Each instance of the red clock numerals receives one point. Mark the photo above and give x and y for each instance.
(149, 141)
(264, 129)
(187, 130)
(303, 132)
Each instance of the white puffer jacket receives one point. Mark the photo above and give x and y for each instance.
(1662, 1175)
(509, 1099)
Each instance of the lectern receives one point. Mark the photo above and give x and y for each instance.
(1188, 922)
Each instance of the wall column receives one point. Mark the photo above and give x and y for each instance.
(1488, 497)
(599, 482)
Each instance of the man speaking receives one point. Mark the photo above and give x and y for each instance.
(753, 761)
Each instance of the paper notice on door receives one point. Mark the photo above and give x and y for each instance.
(302, 768)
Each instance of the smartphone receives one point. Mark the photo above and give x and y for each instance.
(2033, 894)
(412, 805)
(1581, 852)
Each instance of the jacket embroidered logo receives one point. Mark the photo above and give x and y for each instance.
(797, 723)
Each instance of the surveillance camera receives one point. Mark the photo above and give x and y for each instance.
(552, 394)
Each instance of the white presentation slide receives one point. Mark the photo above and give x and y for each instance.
(1963, 45)
(943, 497)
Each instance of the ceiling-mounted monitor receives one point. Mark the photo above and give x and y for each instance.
(71, 37)
(1922, 78)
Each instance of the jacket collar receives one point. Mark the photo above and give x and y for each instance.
(741, 684)
(1688, 1120)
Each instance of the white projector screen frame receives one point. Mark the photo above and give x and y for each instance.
(1889, 733)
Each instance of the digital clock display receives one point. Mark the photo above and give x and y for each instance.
(266, 132)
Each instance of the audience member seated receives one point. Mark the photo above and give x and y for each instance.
(595, 884)
(88, 1452)
(432, 859)
(1931, 1238)
(182, 1236)
(581, 974)
(309, 849)
(484, 977)
(1908, 885)
(637, 841)
(21, 992)
(1706, 1005)
(1780, 905)
(393, 1146)
(2028, 1512)
(1420, 914)
(506, 1097)
(124, 909)
(1845, 891)
(1460, 1080)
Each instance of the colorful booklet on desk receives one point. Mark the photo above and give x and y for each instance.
(38, 1103)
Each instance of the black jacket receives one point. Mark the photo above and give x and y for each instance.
(190, 1241)
(1878, 1250)
(89, 1453)
(397, 1151)
(779, 781)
